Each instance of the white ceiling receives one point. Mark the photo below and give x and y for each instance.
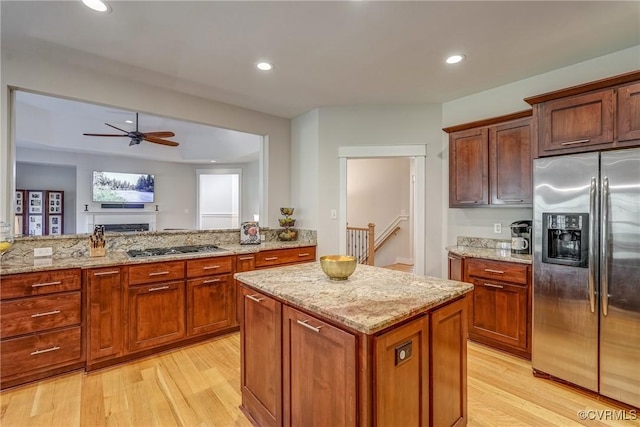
(326, 53)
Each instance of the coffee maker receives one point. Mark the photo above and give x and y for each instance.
(521, 237)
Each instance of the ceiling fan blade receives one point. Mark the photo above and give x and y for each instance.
(163, 134)
(160, 141)
(121, 130)
(101, 134)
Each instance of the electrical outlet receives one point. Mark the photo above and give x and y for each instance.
(262, 237)
(497, 228)
(37, 252)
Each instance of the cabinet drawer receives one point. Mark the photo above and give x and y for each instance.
(46, 350)
(209, 266)
(27, 315)
(497, 270)
(285, 256)
(156, 272)
(41, 283)
(245, 262)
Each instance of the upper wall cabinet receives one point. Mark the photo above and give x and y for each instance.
(600, 115)
(490, 162)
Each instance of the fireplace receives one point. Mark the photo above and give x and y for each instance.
(122, 221)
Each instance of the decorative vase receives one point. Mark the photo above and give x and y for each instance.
(287, 223)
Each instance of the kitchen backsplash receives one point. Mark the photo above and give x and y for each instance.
(481, 242)
(78, 245)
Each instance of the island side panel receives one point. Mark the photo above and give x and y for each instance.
(449, 364)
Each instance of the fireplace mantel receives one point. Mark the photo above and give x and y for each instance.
(119, 217)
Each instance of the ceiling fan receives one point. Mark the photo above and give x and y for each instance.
(137, 137)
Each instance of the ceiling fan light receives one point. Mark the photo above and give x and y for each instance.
(97, 5)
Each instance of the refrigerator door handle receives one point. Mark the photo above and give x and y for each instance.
(593, 224)
(604, 246)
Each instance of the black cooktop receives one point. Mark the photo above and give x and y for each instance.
(173, 250)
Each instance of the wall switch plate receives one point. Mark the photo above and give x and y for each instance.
(334, 214)
(497, 228)
(37, 252)
(262, 237)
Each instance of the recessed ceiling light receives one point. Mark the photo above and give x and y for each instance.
(454, 59)
(97, 5)
(264, 66)
(212, 161)
(128, 121)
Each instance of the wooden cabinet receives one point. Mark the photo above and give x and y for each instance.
(319, 372)
(41, 325)
(490, 162)
(599, 115)
(155, 308)
(210, 295)
(261, 359)
(277, 257)
(469, 168)
(510, 163)
(402, 362)
(500, 308)
(300, 369)
(456, 267)
(104, 290)
(629, 112)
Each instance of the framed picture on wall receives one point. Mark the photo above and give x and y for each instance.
(35, 199)
(35, 225)
(54, 201)
(55, 225)
(19, 202)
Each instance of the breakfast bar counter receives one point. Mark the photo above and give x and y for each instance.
(381, 348)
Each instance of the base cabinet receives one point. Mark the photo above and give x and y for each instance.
(156, 314)
(300, 369)
(104, 313)
(500, 305)
(319, 378)
(261, 358)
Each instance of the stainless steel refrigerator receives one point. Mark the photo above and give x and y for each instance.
(586, 286)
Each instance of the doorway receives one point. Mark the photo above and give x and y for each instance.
(219, 199)
(418, 153)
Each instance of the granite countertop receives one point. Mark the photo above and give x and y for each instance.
(119, 257)
(497, 254)
(370, 300)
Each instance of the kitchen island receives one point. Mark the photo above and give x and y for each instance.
(381, 348)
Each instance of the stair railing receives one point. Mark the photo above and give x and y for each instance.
(361, 243)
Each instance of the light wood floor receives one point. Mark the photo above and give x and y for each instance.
(407, 268)
(199, 386)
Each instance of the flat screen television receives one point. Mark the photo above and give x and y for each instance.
(116, 187)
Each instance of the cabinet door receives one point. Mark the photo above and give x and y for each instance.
(401, 375)
(499, 312)
(156, 314)
(261, 358)
(104, 328)
(510, 163)
(319, 378)
(449, 364)
(469, 168)
(456, 271)
(629, 112)
(577, 123)
(209, 304)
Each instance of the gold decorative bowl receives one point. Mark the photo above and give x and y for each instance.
(338, 267)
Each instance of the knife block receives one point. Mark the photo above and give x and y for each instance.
(98, 251)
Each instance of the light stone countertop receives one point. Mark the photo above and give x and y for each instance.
(30, 264)
(489, 253)
(370, 300)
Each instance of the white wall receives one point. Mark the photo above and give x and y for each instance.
(50, 75)
(378, 191)
(31, 176)
(305, 170)
(504, 100)
(356, 126)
